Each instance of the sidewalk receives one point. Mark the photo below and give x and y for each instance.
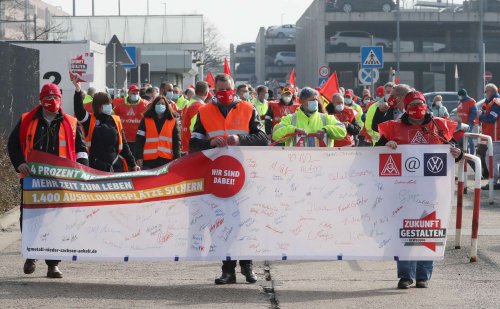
(456, 283)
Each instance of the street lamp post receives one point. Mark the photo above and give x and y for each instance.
(164, 8)
(398, 39)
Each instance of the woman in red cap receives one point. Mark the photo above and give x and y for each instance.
(48, 129)
(417, 126)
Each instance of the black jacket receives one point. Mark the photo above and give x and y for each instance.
(141, 139)
(46, 140)
(380, 117)
(257, 137)
(104, 146)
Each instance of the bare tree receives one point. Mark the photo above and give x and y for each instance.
(14, 10)
(213, 50)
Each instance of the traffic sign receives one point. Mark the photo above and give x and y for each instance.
(324, 71)
(132, 53)
(372, 57)
(488, 76)
(322, 81)
(368, 77)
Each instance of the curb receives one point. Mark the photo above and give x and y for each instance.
(9, 218)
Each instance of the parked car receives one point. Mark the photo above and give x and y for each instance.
(246, 67)
(344, 39)
(246, 48)
(349, 6)
(285, 58)
(284, 31)
(450, 99)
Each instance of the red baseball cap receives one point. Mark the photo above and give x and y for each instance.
(380, 91)
(48, 90)
(412, 96)
(134, 88)
(349, 93)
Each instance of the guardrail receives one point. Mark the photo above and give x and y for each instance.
(477, 205)
(490, 161)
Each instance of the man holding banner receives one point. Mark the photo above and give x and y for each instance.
(48, 129)
(417, 126)
(228, 121)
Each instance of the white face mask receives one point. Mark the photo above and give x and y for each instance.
(266, 96)
(348, 101)
(246, 96)
(134, 97)
(339, 108)
(366, 101)
(312, 106)
(287, 99)
(387, 96)
(107, 109)
(175, 96)
(169, 95)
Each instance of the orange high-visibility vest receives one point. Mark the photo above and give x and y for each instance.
(236, 122)
(492, 129)
(158, 145)
(30, 139)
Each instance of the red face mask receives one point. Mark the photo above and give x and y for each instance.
(51, 105)
(418, 111)
(225, 96)
(392, 101)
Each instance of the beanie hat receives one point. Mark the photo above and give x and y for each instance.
(412, 96)
(48, 90)
(462, 92)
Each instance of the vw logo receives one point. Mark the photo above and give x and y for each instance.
(435, 165)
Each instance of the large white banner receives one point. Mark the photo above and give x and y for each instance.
(245, 203)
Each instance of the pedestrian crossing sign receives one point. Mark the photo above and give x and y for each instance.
(372, 57)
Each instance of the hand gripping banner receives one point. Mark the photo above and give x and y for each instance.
(245, 203)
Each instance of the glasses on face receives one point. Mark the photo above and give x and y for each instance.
(50, 97)
(416, 103)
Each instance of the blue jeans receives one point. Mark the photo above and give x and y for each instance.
(419, 270)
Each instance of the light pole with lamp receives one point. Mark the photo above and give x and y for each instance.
(164, 8)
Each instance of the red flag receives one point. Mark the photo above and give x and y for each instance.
(291, 80)
(396, 81)
(227, 70)
(330, 87)
(210, 80)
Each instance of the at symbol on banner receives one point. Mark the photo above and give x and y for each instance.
(412, 164)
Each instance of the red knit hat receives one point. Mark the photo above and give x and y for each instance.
(412, 96)
(48, 90)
